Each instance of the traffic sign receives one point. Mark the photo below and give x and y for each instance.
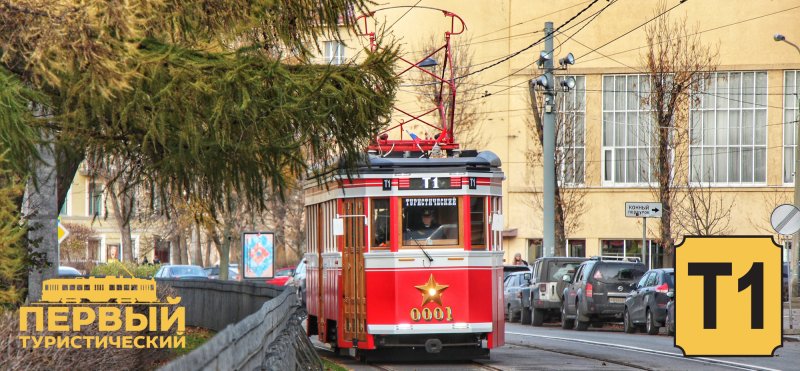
(63, 233)
(730, 296)
(643, 209)
(785, 219)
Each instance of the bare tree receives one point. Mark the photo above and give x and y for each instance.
(118, 175)
(676, 62)
(467, 115)
(75, 246)
(703, 212)
(570, 166)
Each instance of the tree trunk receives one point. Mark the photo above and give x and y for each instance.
(197, 251)
(665, 194)
(207, 252)
(175, 249)
(40, 208)
(122, 216)
(183, 248)
(560, 226)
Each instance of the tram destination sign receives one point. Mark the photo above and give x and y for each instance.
(431, 183)
(643, 209)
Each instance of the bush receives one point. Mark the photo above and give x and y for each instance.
(125, 269)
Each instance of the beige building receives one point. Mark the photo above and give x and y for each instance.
(742, 133)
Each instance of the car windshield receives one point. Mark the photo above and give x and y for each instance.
(619, 272)
(186, 271)
(670, 277)
(284, 272)
(557, 269)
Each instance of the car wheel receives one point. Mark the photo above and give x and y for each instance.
(525, 316)
(580, 325)
(627, 325)
(537, 317)
(565, 323)
(670, 327)
(510, 317)
(652, 326)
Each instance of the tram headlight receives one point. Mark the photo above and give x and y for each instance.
(431, 291)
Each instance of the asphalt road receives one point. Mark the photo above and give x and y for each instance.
(608, 348)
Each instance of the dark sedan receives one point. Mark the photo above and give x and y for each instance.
(182, 272)
(646, 305)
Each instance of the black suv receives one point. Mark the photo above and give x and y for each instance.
(547, 286)
(646, 305)
(597, 291)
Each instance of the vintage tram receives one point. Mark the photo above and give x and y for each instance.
(406, 253)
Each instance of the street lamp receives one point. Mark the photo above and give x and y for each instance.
(795, 245)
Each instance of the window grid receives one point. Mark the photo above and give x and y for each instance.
(791, 80)
(334, 52)
(627, 130)
(570, 141)
(728, 129)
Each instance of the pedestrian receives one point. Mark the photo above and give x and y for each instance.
(518, 259)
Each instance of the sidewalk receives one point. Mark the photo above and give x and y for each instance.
(792, 333)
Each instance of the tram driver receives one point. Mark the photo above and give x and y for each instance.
(426, 227)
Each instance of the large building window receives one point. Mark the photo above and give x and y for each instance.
(95, 199)
(633, 249)
(570, 132)
(65, 208)
(791, 80)
(627, 130)
(334, 52)
(728, 129)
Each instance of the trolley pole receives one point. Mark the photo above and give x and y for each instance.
(549, 123)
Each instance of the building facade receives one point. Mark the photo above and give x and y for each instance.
(740, 146)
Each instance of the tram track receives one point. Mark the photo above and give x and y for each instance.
(627, 348)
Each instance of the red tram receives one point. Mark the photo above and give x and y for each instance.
(408, 254)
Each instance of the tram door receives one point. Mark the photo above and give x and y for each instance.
(354, 301)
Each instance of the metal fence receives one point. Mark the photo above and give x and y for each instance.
(270, 339)
(215, 304)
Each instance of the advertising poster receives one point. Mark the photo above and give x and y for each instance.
(258, 249)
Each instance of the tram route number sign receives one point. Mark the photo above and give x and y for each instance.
(730, 296)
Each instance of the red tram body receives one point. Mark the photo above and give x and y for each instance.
(381, 275)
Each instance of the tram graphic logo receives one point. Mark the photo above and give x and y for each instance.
(102, 290)
(102, 304)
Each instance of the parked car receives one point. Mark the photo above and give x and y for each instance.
(181, 272)
(213, 272)
(670, 320)
(298, 281)
(64, 271)
(597, 292)
(512, 292)
(544, 294)
(646, 304)
(508, 269)
(282, 275)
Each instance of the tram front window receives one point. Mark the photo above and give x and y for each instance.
(430, 221)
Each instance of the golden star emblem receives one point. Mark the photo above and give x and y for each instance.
(432, 291)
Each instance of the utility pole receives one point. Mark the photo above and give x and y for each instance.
(795, 252)
(549, 123)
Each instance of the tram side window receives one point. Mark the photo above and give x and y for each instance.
(430, 221)
(381, 238)
(477, 213)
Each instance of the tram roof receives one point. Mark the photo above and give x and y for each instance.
(485, 160)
